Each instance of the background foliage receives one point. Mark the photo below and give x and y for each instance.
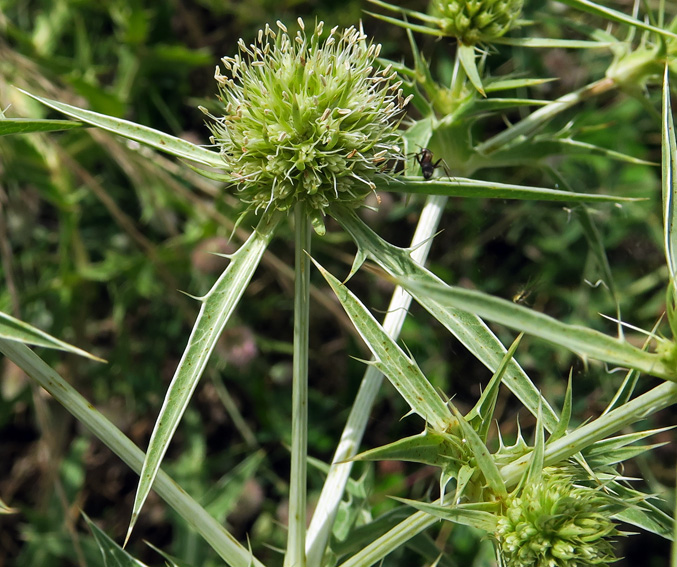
(98, 234)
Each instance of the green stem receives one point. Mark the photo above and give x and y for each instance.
(296, 542)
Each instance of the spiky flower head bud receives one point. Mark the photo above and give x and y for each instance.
(475, 21)
(307, 119)
(556, 523)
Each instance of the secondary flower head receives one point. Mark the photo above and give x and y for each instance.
(307, 119)
(556, 523)
(474, 21)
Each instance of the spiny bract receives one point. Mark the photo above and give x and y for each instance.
(557, 523)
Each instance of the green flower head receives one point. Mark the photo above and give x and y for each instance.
(475, 21)
(307, 119)
(556, 523)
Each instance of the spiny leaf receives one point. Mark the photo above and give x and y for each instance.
(466, 55)
(216, 309)
(615, 16)
(483, 458)
(463, 187)
(402, 371)
(15, 330)
(480, 417)
(113, 554)
(470, 330)
(582, 340)
(154, 138)
(481, 515)
(28, 125)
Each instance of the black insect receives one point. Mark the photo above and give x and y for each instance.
(425, 160)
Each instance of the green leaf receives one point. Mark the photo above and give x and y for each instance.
(14, 330)
(535, 470)
(616, 450)
(401, 370)
(483, 458)
(497, 85)
(553, 43)
(479, 515)
(584, 341)
(565, 416)
(462, 187)
(28, 125)
(406, 25)
(170, 559)
(481, 416)
(524, 129)
(569, 146)
(624, 392)
(154, 138)
(429, 448)
(645, 515)
(217, 307)
(586, 435)
(466, 55)
(486, 105)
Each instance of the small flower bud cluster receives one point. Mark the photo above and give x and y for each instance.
(475, 21)
(307, 120)
(556, 523)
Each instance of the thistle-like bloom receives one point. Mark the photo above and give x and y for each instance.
(307, 120)
(556, 523)
(475, 21)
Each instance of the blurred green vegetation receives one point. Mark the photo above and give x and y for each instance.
(97, 237)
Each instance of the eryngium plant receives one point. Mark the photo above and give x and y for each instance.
(556, 523)
(307, 120)
(474, 21)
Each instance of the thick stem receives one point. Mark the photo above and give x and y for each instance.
(296, 542)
